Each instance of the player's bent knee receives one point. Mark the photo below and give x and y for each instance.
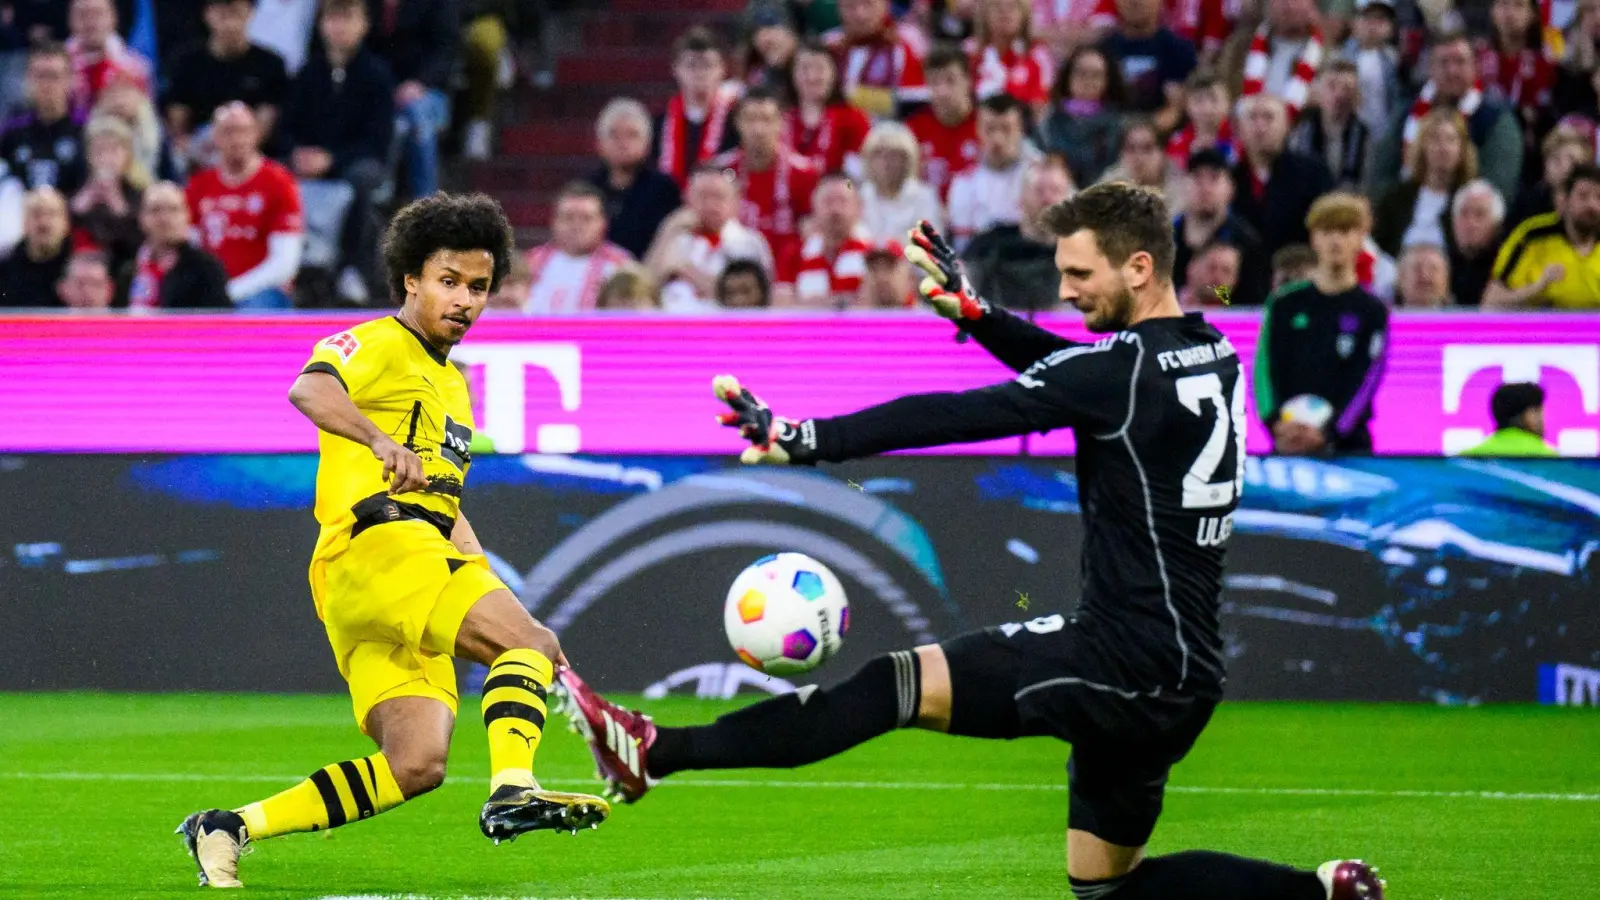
(544, 641)
(417, 773)
(933, 703)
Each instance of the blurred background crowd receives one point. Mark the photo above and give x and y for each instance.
(700, 155)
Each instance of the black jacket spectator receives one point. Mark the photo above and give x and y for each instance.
(117, 235)
(1311, 137)
(420, 40)
(195, 281)
(1277, 210)
(636, 211)
(1392, 217)
(201, 82)
(45, 154)
(1012, 270)
(350, 115)
(27, 282)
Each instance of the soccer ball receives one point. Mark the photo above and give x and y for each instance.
(785, 614)
(1307, 409)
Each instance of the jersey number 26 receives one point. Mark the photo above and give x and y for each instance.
(1199, 491)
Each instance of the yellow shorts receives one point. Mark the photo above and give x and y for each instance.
(392, 603)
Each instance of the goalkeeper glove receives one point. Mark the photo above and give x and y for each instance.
(773, 440)
(946, 287)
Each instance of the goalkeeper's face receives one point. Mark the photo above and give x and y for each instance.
(450, 294)
(1091, 283)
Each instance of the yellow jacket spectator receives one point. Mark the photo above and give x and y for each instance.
(1550, 259)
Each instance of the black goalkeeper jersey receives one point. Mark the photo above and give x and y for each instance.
(1158, 412)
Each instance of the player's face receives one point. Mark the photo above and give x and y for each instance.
(228, 21)
(759, 125)
(813, 76)
(92, 22)
(580, 225)
(450, 294)
(49, 82)
(862, 18)
(950, 91)
(1001, 134)
(1092, 284)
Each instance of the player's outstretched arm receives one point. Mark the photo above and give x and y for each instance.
(321, 398)
(920, 420)
(1012, 340)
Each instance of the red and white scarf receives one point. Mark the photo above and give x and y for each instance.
(1467, 107)
(1259, 63)
(809, 142)
(149, 271)
(603, 260)
(676, 125)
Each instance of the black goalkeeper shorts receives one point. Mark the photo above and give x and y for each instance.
(1049, 676)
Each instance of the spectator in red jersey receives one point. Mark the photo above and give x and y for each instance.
(744, 285)
(1274, 186)
(1144, 162)
(1441, 161)
(1514, 66)
(98, 53)
(169, 272)
(105, 211)
(1453, 82)
(44, 147)
(638, 198)
(1330, 129)
(569, 271)
(893, 198)
(821, 126)
(697, 243)
(1086, 118)
(882, 67)
(890, 282)
(947, 131)
(1155, 62)
(694, 127)
(86, 284)
(990, 193)
(833, 259)
(28, 277)
(226, 67)
(1005, 57)
(1207, 124)
(1281, 58)
(769, 59)
(247, 212)
(776, 182)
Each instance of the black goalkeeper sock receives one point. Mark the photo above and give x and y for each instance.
(799, 728)
(1204, 875)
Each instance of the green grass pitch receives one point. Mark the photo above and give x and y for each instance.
(1499, 803)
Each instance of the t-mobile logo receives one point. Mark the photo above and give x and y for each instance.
(1524, 362)
(505, 407)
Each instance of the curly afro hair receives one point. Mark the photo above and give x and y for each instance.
(446, 222)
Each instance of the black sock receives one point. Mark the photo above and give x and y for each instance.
(799, 728)
(1204, 875)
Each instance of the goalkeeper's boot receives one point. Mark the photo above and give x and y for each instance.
(1351, 879)
(618, 738)
(513, 809)
(216, 839)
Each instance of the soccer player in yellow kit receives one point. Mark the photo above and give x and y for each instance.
(398, 577)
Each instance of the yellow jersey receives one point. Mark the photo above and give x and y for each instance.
(1535, 244)
(410, 390)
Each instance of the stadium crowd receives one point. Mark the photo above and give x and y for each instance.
(785, 173)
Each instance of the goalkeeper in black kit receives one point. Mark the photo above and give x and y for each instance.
(1131, 677)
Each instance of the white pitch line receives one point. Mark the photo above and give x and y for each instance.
(464, 897)
(1558, 797)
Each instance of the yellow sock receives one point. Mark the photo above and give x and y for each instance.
(513, 715)
(333, 795)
